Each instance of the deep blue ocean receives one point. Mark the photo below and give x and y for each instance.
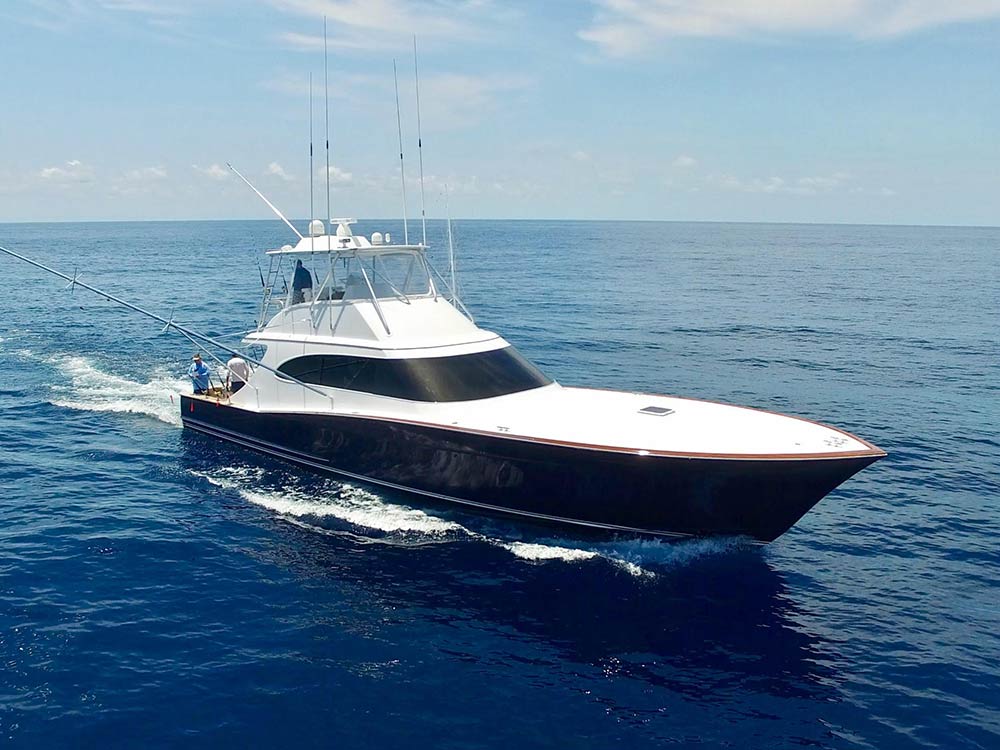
(160, 589)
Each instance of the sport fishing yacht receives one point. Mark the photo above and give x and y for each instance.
(378, 373)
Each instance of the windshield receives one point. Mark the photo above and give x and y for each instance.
(390, 274)
(465, 377)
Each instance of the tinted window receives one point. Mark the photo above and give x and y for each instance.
(463, 378)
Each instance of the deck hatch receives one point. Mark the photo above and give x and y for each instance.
(656, 411)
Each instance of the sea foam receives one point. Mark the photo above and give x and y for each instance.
(92, 389)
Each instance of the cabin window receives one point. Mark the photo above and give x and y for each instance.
(465, 377)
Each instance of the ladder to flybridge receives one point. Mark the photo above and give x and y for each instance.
(272, 297)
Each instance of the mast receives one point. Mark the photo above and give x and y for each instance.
(420, 145)
(402, 174)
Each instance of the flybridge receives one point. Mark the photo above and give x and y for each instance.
(324, 272)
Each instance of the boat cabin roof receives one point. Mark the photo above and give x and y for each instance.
(344, 240)
(329, 244)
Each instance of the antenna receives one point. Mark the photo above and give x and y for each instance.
(312, 212)
(402, 175)
(420, 144)
(451, 247)
(269, 204)
(326, 93)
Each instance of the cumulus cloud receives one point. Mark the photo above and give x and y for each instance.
(277, 170)
(338, 176)
(580, 156)
(685, 162)
(214, 171)
(621, 28)
(73, 171)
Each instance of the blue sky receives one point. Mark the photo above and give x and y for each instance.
(880, 111)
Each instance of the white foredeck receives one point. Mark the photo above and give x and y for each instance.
(612, 420)
(602, 420)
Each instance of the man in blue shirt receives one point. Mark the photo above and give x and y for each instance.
(198, 372)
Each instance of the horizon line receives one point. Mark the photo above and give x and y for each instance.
(552, 219)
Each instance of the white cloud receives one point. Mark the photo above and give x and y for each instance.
(73, 171)
(349, 40)
(146, 174)
(338, 176)
(214, 171)
(452, 185)
(277, 170)
(627, 27)
(384, 16)
(580, 156)
(685, 162)
(838, 182)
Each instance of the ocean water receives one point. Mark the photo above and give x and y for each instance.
(160, 589)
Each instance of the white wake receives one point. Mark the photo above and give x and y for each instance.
(92, 389)
(345, 502)
(363, 509)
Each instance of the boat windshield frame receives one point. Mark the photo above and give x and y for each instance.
(372, 284)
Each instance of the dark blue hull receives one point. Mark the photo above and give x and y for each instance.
(600, 489)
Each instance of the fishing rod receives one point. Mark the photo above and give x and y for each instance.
(420, 145)
(312, 211)
(402, 174)
(451, 247)
(189, 333)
